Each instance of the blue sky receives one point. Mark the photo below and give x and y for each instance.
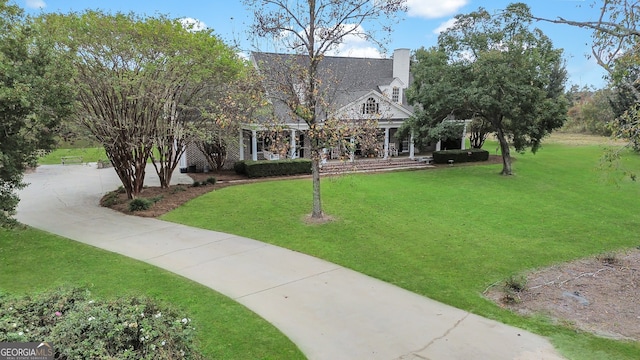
(419, 27)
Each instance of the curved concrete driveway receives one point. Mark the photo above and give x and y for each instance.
(330, 312)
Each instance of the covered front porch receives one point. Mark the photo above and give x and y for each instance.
(260, 144)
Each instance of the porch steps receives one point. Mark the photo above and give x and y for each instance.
(370, 165)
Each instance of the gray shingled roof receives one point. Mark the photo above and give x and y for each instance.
(344, 79)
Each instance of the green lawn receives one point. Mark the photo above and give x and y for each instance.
(449, 233)
(31, 260)
(89, 154)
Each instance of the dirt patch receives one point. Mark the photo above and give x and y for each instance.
(310, 220)
(600, 295)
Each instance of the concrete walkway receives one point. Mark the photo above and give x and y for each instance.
(330, 312)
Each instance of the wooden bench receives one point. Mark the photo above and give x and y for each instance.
(71, 160)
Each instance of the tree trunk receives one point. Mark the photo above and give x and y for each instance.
(316, 211)
(477, 139)
(129, 166)
(167, 161)
(506, 153)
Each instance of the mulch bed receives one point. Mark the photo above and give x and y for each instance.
(176, 195)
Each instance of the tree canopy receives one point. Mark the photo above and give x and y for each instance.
(139, 80)
(34, 96)
(497, 70)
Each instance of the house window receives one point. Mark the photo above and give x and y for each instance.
(371, 106)
(395, 95)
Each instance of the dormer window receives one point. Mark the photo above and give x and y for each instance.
(395, 95)
(370, 107)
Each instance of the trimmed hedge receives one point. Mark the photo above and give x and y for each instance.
(240, 167)
(460, 156)
(255, 169)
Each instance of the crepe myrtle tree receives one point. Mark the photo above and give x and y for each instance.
(312, 28)
(229, 105)
(201, 69)
(495, 69)
(35, 95)
(138, 80)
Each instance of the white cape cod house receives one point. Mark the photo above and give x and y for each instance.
(358, 87)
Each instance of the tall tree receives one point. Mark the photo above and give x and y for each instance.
(496, 69)
(34, 96)
(199, 67)
(138, 79)
(311, 28)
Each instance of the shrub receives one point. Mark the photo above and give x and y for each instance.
(139, 204)
(277, 168)
(32, 318)
(155, 199)
(211, 180)
(460, 156)
(240, 167)
(516, 283)
(110, 199)
(178, 189)
(196, 184)
(513, 286)
(83, 328)
(609, 258)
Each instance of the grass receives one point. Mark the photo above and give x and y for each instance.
(449, 233)
(89, 154)
(31, 260)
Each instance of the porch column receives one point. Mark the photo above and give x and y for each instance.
(386, 143)
(241, 144)
(183, 158)
(464, 135)
(438, 145)
(254, 146)
(412, 148)
(352, 155)
(292, 149)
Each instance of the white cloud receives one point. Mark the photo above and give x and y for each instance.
(354, 51)
(355, 45)
(36, 4)
(433, 9)
(444, 26)
(192, 24)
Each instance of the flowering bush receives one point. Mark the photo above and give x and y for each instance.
(81, 328)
